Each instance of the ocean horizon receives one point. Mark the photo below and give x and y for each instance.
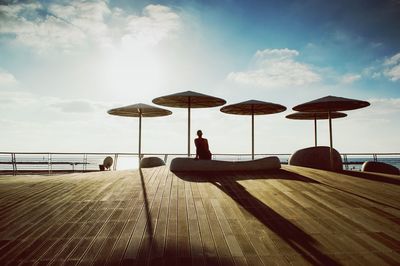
(90, 162)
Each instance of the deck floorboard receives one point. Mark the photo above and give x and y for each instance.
(294, 216)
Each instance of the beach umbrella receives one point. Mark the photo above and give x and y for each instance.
(331, 104)
(189, 100)
(139, 110)
(314, 116)
(253, 107)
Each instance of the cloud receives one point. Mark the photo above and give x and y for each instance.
(389, 68)
(372, 72)
(350, 78)
(6, 78)
(394, 60)
(23, 101)
(16, 99)
(393, 73)
(385, 106)
(392, 67)
(155, 25)
(36, 27)
(276, 68)
(85, 23)
(74, 106)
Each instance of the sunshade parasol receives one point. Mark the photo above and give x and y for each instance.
(314, 116)
(139, 110)
(253, 107)
(189, 99)
(331, 104)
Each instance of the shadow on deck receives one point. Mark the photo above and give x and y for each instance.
(155, 217)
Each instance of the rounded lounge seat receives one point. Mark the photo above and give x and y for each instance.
(149, 162)
(316, 157)
(379, 167)
(190, 164)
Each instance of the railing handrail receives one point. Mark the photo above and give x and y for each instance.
(49, 159)
(170, 153)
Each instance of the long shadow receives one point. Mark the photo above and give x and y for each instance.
(216, 176)
(373, 177)
(360, 196)
(149, 226)
(296, 238)
(150, 254)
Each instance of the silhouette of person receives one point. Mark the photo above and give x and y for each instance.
(202, 150)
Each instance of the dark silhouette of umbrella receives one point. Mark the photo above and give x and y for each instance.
(189, 99)
(253, 107)
(331, 104)
(139, 110)
(315, 117)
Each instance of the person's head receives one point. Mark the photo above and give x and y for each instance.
(199, 133)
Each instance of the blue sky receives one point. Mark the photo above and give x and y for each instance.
(63, 64)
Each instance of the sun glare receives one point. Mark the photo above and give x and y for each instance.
(133, 72)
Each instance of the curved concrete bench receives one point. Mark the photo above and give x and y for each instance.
(316, 157)
(379, 167)
(189, 164)
(149, 162)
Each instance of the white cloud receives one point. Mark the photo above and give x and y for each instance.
(389, 68)
(275, 54)
(74, 106)
(77, 23)
(22, 101)
(350, 78)
(155, 25)
(384, 106)
(39, 32)
(6, 78)
(392, 67)
(393, 73)
(276, 68)
(394, 60)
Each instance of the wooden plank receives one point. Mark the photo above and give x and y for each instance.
(291, 217)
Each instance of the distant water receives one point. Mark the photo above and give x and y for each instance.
(353, 163)
(356, 162)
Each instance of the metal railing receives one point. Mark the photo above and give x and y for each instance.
(54, 162)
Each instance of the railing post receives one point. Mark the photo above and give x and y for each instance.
(165, 158)
(346, 162)
(115, 162)
(49, 163)
(85, 160)
(14, 163)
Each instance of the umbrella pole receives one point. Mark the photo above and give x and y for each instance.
(140, 137)
(189, 127)
(252, 133)
(330, 140)
(315, 130)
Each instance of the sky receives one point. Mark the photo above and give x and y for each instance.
(63, 64)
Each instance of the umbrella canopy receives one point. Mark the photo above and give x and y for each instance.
(189, 99)
(315, 116)
(139, 110)
(330, 104)
(253, 107)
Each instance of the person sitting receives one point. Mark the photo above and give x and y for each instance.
(202, 150)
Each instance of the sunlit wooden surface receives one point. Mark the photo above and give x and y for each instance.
(293, 216)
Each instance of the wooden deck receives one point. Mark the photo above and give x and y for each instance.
(293, 216)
